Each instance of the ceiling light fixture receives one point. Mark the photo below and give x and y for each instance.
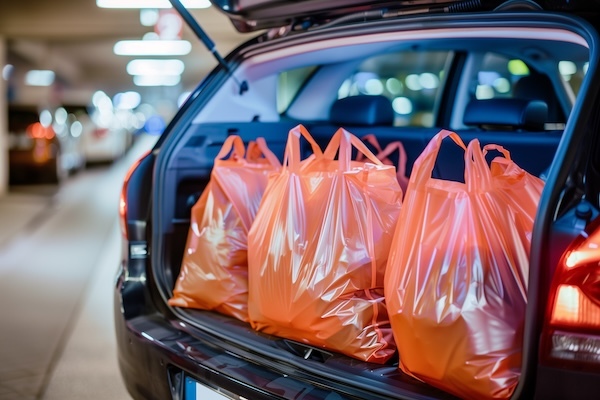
(37, 77)
(148, 16)
(155, 67)
(152, 48)
(156, 80)
(127, 100)
(150, 3)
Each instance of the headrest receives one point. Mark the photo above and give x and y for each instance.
(507, 113)
(539, 87)
(362, 111)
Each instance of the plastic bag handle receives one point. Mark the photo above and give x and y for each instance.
(372, 140)
(498, 148)
(423, 166)
(477, 171)
(235, 142)
(402, 157)
(343, 141)
(258, 148)
(291, 158)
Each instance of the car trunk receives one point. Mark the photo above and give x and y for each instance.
(187, 160)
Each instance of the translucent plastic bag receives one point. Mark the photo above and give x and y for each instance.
(384, 154)
(214, 268)
(456, 283)
(318, 249)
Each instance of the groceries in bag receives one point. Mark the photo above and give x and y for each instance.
(318, 249)
(214, 270)
(384, 154)
(456, 283)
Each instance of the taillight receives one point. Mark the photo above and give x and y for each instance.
(123, 197)
(39, 131)
(571, 335)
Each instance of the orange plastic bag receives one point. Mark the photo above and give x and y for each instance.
(456, 283)
(214, 269)
(384, 154)
(318, 249)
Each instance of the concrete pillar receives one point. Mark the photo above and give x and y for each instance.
(3, 122)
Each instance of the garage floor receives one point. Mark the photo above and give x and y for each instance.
(59, 251)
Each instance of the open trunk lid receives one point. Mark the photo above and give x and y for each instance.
(253, 15)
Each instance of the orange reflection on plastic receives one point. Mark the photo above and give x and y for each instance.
(214, 270)
(456, 283)
(318, 249)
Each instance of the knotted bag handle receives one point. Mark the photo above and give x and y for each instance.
(384, 154)
(258, 149)
(498, 148)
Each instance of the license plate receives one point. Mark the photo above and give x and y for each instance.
(196, 391)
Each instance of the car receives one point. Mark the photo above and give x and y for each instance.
(478, 68)
(43, 144)
(104, 138)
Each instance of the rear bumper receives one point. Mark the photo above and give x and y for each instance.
(154, 360)
(155, 356)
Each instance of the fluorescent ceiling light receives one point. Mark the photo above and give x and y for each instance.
(155, 67)
(156, 80)
(152, 48)
(150, 3)
(39, 77)
(127, 100)
(148, 16)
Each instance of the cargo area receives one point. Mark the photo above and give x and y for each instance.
(528, 120)
(532, 149)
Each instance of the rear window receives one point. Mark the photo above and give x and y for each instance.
(411, 80)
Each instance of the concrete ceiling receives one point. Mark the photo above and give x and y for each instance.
(75, 38)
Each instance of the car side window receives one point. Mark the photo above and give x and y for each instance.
(497, 77)
(412, 80)
(500, 76)
(289, 83)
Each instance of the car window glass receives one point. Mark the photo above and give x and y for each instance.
(572, 73)
(289, 84)
(410, 79)
(497, 76)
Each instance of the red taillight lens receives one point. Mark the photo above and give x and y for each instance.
(38, 131)
(571, 336)
(123, 197)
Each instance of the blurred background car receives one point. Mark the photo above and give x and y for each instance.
(104, 137)
(43, 144)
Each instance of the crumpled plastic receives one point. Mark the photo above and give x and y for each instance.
(456, 283)
(384, 154)
(318, 249)
(214, 269)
